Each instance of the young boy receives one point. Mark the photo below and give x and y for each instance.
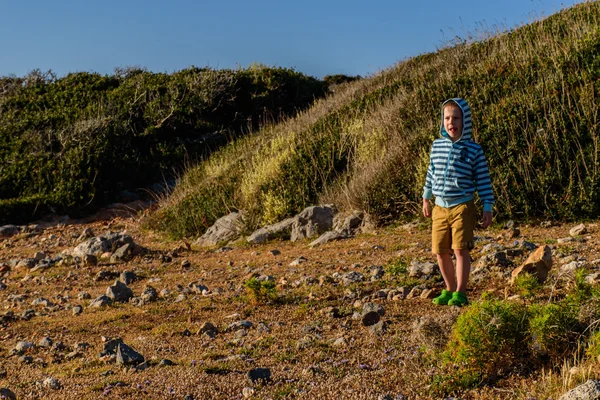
(457, 168)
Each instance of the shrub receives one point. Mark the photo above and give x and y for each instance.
(527, 285)
(261, 291)
(554, 330)
(76, 141)
(487, 340)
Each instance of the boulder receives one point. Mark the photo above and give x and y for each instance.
(538, 264)
(225, 229)
(349, 224)
(119, 292)
(328, 237)
(127, 356)
(98, 245)
(589, 390)
(312, 221)
(419, 269)
(7, 231)
(281, 230)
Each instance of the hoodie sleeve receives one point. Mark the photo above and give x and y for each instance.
(482, 181)
(428, 188)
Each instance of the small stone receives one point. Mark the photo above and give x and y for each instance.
(127, 277)
(89, 260)
(274, 252)
(51, 383)
(370, 318)
(415, 292)
(340, 342)
(165, 363)
(379, 328)
(565, 240)
(45, 342)
(259, 374)
(26, 359)
(298, 261)
(77, 310)
(428, 294)
(127, 356)
(84, 296)
(101, 301)
(186, 264)
(248, 392)
(23, 346)
(578, 230)
(6, 393)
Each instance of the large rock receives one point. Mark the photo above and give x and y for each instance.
(538, 264)
(225, 229)
(127, 356)
(329, 236)
(99, 245)
(7, 231)
(587, 391)
(350, 224)
(312, 221)
(281, 230)
(419, 269)
(119, 292)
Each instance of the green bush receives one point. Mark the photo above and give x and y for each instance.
(527, 285)
(487, 341)
(554, 330)
(261, 291)
(74, 142)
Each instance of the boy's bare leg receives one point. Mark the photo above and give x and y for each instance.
(463, 269)
(447, 269)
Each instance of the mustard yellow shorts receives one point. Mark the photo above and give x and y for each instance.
(452, 228)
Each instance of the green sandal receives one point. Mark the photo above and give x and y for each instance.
(458, 299)
(443, 298)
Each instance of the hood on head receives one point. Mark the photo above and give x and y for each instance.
(466, 112)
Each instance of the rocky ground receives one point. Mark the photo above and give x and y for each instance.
(149, 318)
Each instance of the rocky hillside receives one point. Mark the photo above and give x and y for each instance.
(534, 95)
(105, 309)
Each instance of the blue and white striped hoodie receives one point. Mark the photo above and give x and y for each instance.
(458, 169)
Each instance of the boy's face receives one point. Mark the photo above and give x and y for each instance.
(453, 122)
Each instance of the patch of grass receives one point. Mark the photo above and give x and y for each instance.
(527, 285)
(260, 292)
(396, 267)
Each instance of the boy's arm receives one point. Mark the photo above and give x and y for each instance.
(484, 187)
(427, 190)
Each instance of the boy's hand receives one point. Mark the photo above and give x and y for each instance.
(426, 208)
(487, 219)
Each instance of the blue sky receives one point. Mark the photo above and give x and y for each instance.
(314, 37)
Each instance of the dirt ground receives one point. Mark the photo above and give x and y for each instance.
(311, 351)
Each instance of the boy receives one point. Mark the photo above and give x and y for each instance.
(457, 168)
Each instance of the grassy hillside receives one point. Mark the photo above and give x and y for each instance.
(534, 95)
(74, 142)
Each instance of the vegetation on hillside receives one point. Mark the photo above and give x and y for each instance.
(75, 141)
(533, 92)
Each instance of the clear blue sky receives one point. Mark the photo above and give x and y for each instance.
(314, 37)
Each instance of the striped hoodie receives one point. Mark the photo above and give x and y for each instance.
(458, 169)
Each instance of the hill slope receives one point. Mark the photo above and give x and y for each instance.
(534, 93)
